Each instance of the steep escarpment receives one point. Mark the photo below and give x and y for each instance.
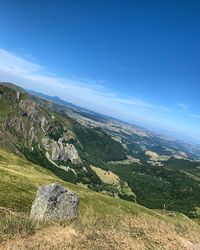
(28, 125)
(25, 126)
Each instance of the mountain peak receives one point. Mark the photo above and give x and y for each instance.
(12, 86)
(10, 93)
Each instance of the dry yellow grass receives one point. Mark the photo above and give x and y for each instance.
(92, 231)
(105, 176)
(152, 155)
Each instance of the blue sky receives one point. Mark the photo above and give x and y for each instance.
(134, 60)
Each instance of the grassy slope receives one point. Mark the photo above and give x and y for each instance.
(103, 222)
(106, 177)
(20, 179)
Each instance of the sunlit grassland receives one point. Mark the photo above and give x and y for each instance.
(103, 222)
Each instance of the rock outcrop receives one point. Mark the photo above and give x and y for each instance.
(54, 202)
(32, 113)
(61, 151)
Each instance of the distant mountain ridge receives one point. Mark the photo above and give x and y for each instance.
(76, 108)
(97, 116)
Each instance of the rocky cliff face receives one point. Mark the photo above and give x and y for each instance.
(26, 126)
(60, 151)
(38, 129)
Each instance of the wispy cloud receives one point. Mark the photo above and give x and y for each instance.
(196, 116)
(85, 92)
(11, 63)
(183, 107)
(89, 93)
(186, 108)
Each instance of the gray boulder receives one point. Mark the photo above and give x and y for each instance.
(54, 202)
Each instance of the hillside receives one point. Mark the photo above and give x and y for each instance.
(152, 170)
(103, 222)
(135, 138)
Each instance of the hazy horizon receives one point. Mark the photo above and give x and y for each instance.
(155, 129)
